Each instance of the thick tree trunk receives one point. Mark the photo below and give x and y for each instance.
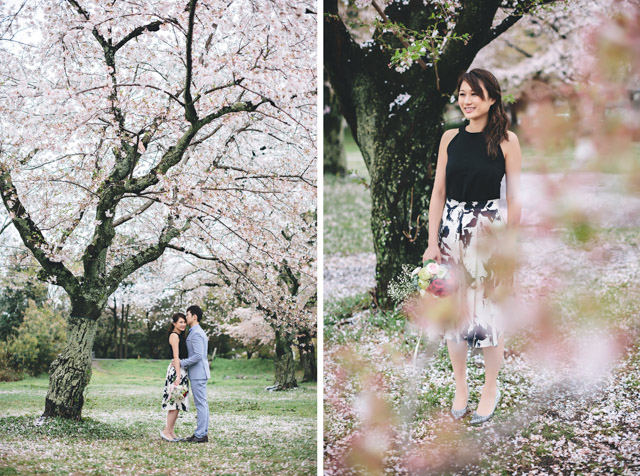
(308, 358)
(121, 344)
(69, 374)
(401, 160)
(284, 364)
(115, 328)
(126, 334)
(335, 159)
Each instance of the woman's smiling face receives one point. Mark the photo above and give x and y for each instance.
(180, 325)
(472, 105)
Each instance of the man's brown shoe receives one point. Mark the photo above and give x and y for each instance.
(195, 439)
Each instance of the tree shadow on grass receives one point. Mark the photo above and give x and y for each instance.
(86, 429)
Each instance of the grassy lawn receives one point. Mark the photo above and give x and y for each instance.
(347, 217)
(347, 207)
(251, 431)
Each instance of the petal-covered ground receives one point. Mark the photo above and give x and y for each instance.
(570, 382)
(251, 432)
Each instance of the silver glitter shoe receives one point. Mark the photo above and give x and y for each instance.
(479, 419)
(457, 414)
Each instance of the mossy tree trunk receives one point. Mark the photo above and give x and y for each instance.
(70, 373)
(285, 368)
(397, 118)
(307, 357)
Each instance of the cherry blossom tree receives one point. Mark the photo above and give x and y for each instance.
(393, 88)
(282, 289)
(251, 330)
(545, 46)
(131, 129)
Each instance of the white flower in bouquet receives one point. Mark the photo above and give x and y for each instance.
(177, 393)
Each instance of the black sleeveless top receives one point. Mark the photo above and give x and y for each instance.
(471, 175)
(182, 347)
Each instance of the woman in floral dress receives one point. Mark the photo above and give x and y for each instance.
(464, 221)
(176, 375)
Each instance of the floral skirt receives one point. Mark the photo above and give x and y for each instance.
(170, 379)
(468, 245)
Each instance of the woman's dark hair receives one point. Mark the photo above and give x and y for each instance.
(498, 123)
(174, 319)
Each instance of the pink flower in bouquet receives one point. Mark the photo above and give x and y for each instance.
(443, 286)
(437, 287)
(433, 268)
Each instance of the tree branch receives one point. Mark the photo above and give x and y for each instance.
(193, 253)
(522, 9)
(67, 232)
(384, 17)
(235, 82)
(135, 262)
(175, 153)
(190, 110)
(153, 26)
(133, 214)
(6, 225)
(32, 235)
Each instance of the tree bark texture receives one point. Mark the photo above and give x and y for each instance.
(334, 156)
(285, 368)
(308, 357)
(397, 118)
(69, 374)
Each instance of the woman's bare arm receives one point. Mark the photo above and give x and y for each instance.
(513, 166)
(438, 196)
(174, 341)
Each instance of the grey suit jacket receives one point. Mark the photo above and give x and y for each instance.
(197, 346)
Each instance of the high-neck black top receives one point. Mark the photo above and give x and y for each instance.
(182, 347)
(471, 175)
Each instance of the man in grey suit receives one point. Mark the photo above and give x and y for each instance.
(198, 366)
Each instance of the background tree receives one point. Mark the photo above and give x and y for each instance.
(250, 329)
(396, 113)
(37, 342)
(283, 290)
(334, 157)
(305, 341)
(130, 129)
(17, 287)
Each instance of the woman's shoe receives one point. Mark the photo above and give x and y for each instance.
(457, 414)
(479, 419)
(166, 438)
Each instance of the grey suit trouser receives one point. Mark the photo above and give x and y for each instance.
(199, 389)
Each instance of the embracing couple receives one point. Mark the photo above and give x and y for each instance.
(188, 364)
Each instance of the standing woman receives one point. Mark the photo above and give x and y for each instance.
(176, 375)
(464, 209)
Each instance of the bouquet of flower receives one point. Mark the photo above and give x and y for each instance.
(433, 278)
(177, 393)
(423, 295)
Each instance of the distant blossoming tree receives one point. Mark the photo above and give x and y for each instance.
(251, 330)
(283, 289)
(129, 129)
